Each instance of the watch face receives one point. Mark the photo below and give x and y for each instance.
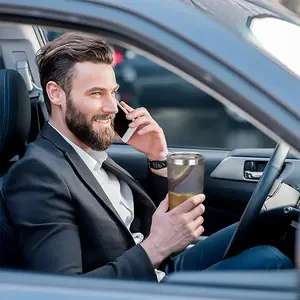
(158, 164)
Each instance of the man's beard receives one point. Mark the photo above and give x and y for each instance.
(82, 128)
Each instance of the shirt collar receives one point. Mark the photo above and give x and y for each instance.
(93, 159)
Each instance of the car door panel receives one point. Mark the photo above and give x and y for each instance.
(136, 163)
(225, 199)
(227, 190)
(181, 285)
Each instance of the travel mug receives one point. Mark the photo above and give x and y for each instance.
(186, 172)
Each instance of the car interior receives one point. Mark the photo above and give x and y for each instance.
(231, 175)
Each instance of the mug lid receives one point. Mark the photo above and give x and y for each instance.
(186, 158)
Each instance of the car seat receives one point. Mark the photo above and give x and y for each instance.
(15, 121)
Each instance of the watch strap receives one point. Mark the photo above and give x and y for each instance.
(157, 164)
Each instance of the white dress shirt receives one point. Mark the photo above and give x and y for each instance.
(118, 191)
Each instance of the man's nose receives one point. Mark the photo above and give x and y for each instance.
(110, 105)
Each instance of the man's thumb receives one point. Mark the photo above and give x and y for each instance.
(164, 205)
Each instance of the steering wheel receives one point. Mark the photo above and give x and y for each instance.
(257, 199)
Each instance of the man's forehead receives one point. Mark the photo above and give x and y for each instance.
(94, 74)
(88, 68)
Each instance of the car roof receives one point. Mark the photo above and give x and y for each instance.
(237, 14)
(233, 13)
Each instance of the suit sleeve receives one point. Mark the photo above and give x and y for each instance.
(157, 187)
(44, 215)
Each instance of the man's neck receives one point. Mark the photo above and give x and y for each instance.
(63, 129)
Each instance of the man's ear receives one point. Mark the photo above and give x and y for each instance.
(55, 93)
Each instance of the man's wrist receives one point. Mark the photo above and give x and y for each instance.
(158, 167)
(154, 254)
(157, 157)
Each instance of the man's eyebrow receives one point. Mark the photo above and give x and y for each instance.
(98, 88)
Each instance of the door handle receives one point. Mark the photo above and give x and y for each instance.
(253, 175)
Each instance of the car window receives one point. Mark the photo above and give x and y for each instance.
(284, 45)
(179, 107)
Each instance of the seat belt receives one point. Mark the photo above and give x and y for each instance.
(38, 107)
(34, 92)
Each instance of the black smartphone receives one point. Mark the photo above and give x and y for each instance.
(121, 124)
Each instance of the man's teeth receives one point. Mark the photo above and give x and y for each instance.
(103, 121)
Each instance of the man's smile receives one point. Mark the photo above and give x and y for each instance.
(103, 121)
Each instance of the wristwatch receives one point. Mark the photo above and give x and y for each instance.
(157, 164)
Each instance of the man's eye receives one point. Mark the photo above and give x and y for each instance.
(98, 94)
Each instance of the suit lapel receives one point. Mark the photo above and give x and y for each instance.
(81, 170)
(143, 205)
(122, 174)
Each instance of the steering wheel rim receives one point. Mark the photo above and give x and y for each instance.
(257, 199)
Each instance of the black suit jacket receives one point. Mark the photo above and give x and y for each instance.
(64, 221)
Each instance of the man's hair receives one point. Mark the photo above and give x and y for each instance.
(57, 58)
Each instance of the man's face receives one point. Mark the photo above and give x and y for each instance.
(91, 105)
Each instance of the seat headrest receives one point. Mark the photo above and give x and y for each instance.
(15, 114)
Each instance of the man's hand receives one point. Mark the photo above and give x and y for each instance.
(174, 230)
(149, 137)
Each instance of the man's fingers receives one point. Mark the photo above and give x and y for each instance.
(163, 206)
(126, 106)
(145, 120)
(150, 128)
(199, 231)
(137, 113)
(189, 204)
(197, 222)
(195, 212)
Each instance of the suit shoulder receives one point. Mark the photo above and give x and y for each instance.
(40, 163)
(38, 154)
(35, 177)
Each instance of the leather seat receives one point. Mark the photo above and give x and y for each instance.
(15, 117)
